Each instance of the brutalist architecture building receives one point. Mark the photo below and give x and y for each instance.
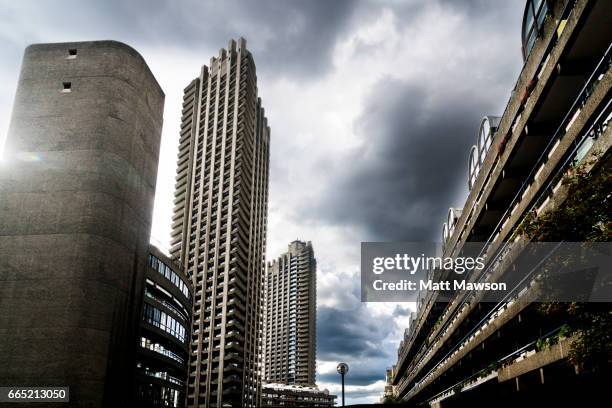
(76, 204)
(303, 396)
(219, 227)
(528, 166)
(163, 352)
(291, 308)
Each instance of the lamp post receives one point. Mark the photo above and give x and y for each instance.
(342, 369)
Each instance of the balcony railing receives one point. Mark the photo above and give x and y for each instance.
(600, 122)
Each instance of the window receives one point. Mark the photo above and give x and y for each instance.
(484, 141)
(453, 217)
(159, 348)
(169, 274)
(533, 20)
(72, 53)
(66, 87)
(488, 126)
(474, 167)
(444, 233)
(157, 318)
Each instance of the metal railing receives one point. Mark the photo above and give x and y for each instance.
(551, 44)
(504, 360)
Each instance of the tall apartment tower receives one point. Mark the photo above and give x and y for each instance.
(219, 227)
(76, 203)
(291, 307)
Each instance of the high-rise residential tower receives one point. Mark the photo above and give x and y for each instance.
(76, 203)
(219, 227)
(291, 307)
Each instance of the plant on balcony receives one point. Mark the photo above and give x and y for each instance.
(584, 216)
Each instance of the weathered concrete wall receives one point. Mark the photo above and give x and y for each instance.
(76, 202)
(542, 358)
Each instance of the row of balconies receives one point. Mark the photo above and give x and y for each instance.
(407, 341)
(540, 172)
(493, 317)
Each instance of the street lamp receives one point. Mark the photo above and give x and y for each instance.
(342, 369)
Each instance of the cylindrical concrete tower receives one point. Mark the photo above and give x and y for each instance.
(76, 202)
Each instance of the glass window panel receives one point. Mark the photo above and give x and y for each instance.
(537, 4)
(541, 13)
(531, 40)
(529, 19)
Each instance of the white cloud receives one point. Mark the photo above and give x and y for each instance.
(356, 394)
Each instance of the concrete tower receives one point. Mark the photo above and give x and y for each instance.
(291, 308)
(76, 202)
(219, 227)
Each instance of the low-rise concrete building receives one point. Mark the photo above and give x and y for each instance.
(283, 395)
(163, 353)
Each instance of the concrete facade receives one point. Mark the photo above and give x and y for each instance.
(77, 190)
(219, 227)
(291, 317)
(282, 395)
(461, 352)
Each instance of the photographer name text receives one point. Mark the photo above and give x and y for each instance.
(408, 285)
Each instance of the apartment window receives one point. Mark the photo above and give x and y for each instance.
(484, 142)
(453, 217)
(444, 233)
(488, 126)
(533, 20)
(66, 87)
(72, 53)
(474, 167)
(160, 319)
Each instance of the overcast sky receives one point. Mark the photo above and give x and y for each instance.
(373, 107)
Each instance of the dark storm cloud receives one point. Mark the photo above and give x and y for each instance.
(418, 131)
(483, 10)
(303, 33)
(358, 375)
(354, 336)
(293, 37)
(350, 333)
(412, 165)
(289, 37)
